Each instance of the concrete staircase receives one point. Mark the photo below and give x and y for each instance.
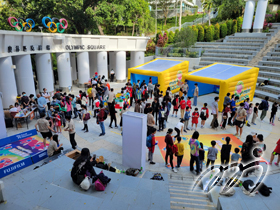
(182, 197)
(238, 49)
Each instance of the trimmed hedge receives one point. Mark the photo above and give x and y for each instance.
(212, 28)
(229, 27)
(217, 31)
(239, 24)
(200, 37)
(234, 26)
(171, 37)
(194, 28)
(223, 30)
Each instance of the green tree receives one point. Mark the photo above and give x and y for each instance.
(234, 26)
(200, 33)
(171, 37)
(176, 34)
(223, 30)
(164, 6)
(208, 5)
(194, 28)
(181, 40)
(231, 9)
(208, 34)
(212, 28)
(217, 31)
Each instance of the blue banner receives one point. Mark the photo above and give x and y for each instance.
(11, 139)
(15, 167)
(39, 156)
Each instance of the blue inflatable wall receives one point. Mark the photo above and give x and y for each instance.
(203, 88)
(135, 77)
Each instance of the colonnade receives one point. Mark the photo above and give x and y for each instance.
(16, 73)
(259, 15)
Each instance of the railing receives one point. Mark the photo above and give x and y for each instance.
(178, 52)
(202, 20)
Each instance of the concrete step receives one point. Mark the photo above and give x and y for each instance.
(196, 192)
(198, 67)
(263, 38)
(271, 75)
(263, 94)
(269, 63)
(228, 44)
(269, 69)
(270, 89)
(232, 52)
(207, 61)
(274, 82)
(229, 48)
(191, 205)
(235, 56)
(274, 54)
(271, 58)
(246, 41)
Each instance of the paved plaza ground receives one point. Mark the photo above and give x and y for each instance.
(50, 186)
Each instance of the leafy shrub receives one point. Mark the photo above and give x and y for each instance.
(171, 37)
(208, 34)
(239, 24)
(217, 31)
(176, 34)
(193, 54)
(200, 37)
(175, 55)
(229, 27)
(160, 42)
(185, 38)
(165, 39)
(234, 26)
(157, 37)
(194, 28)
(223, 30)
(150, 49)
(212, 29)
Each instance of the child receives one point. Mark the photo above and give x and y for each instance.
(189, 103)
(204, 114)
(255, 114)
(249, 112)
(57, 122)
(276, 151)
(96, 106)
(273, 113)
(186, 118)
(179, 128)
(201, 156)
(212, 155)
(235, 158)
(161, 117)
(225, 153)
(84, 112)
(195, 116)
(175, 103)
(226, 113)
(182, 106)
(152, 148)
(180, 153)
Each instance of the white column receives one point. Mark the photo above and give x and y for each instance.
(44, 72)
(24, 74)
(3, 131)
(8, 85)
(83, 67)
(64, 70)
(73, 66)
(260, 16)
(136, 58)
(92, 63)
(102, 63)
(120, 66)
(248, 16)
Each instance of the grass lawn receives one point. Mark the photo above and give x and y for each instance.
(171, 21)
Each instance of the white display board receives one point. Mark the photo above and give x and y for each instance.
(3, 132)
(134, 140)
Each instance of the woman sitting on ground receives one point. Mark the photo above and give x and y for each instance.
(83, 166)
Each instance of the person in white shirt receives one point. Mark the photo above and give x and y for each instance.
(47, 96)
(179, 128)
(112, 75)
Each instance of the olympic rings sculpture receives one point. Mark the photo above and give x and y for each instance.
(53, 26)
(25, 25)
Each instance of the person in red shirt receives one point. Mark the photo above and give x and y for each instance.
(189, 103)
(195, 116)
(169, 144)
(204, 114)
(176, 105)
(226, 113)
(182, 106)
(129, 89)
(107, 84)
(152, 149)
(276, 151)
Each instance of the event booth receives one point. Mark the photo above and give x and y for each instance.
(224, 78)
(162, 71)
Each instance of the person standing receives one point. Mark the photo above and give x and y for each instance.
(185, 87)
(155, 106)
(233, 109)
(89, 92)
(47, 96)
(71, 129)
(214, 111)
(187, 118)
(112, 73)
(42, 103)
(212, 155)
(226, 100)
(111, 97)
(264, 107)
(273, 113)
(204, 114)
(101, 119)
(240, 117)
(225, 114)
(180, 153)
(195, 95)
(113, 112)
(150, 89)
(169, 145)
(44, 128)
(255, 114)
(85, 119)
(24, 100)
(225, 153)
(153, 144)
(195, 147)
(182, 106)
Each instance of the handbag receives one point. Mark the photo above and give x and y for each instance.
(86, 183)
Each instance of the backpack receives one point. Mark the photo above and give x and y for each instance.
(174, 149)
(248, 184)
(246, 106)
(174, 102)
(85, 184)
(157, 176)
(263, 189)
(261, 106)
(149, 141)
(216, 124)
(99, 186)
(86, 117)
(105, 115)
(132, 172)
(203, 113)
